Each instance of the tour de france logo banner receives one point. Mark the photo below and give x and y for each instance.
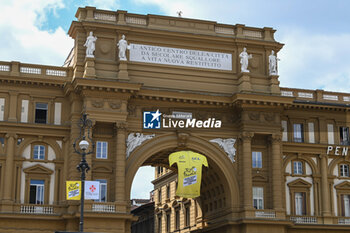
(73, 190)
(189, 166)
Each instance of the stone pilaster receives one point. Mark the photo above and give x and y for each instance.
(326, 209)
(246, 167)
(120, 162)
(276, 172)
(323, 130)
(65, 149)
(13, 108)
(9, 171)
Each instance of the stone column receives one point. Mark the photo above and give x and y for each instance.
(276, 171)
(65, 149)
(120, 161)
(246, 167)
(9, 171)
(325, 190)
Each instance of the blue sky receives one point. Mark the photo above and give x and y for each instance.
(316, 35)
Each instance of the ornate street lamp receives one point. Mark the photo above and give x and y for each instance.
(85, 126)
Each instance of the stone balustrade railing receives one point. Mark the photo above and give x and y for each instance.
(316, 95)
(304, 219)
(265, 214)
(21, 69)
(36, 209)
(109, 208)
(154, 21)
(344, 221)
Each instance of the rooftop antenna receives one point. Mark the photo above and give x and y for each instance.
(179, 13)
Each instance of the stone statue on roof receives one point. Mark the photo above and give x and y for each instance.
(122, 46)
(90, 45)
(273, 63)
(245, 60)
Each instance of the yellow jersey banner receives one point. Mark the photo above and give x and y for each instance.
(189, 166)
(73, 190)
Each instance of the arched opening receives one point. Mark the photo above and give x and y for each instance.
(219, 190)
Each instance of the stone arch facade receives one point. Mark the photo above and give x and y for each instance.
(335, 162)
(170, 141)
(54, 145)
(311, 163)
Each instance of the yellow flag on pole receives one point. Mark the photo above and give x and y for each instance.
(73, 190)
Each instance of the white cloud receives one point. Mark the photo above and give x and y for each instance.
(21, 36)
(315, 61)
(141, 185)
(104, 4)
(309, 60)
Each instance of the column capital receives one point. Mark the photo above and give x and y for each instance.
(13, 135)
(276, 138)
(323, 156)
(246, 135)
(121, 125)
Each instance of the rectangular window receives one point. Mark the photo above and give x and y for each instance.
(344, 170)
(160, 170)
(159, 223)
(2, 108)
(285, 131)
(297, 168)
(168, 191)
(345, 205)
(177, 219)
(58, 110)
(160, 195)
(39, 152)
(311, 132)
(101, 150)
(257, 159)
(344, 135)
(168, 222)
(24, 112)
(300, 203)
(103, 191)
(41, 113)
(298, 133)
(187, 215)
(36, 192)
(258, 198)
(2, 141)
(330, 133)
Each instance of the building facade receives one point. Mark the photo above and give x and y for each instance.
(278, 159)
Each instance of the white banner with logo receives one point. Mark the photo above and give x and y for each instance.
(92, 190)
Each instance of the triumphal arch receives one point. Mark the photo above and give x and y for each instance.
(152, 85)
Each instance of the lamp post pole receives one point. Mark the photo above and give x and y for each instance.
(83, 167)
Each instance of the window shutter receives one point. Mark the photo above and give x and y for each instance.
(304, 203)
(342, 205)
